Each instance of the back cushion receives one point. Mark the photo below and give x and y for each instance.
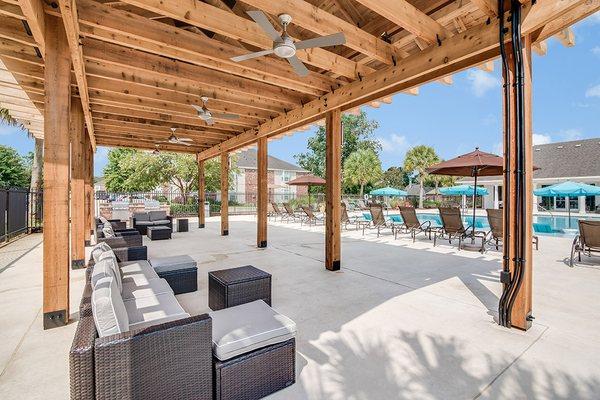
(103, 220)
(157, 215)
(102, 269)
(110, 259)
(98, 249)
(108, 309)
(108, 230)
(141, 216)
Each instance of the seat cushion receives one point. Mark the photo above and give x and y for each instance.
(172, 263)
(153, 287)
(98, 249)
(140, 272)
(161, 222)
(247, 327)
(139, 217)
(144, 223)
(146, 311)
(157, 215)
(108, 309)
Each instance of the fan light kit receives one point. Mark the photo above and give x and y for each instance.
(206, 115)
(284, 46)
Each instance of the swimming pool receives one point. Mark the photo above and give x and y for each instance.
(542, 224)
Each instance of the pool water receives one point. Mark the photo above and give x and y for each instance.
(542, 224)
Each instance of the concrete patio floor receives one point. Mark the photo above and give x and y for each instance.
(400, 320)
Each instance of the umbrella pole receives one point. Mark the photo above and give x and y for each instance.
(474, 202)
(569, 211)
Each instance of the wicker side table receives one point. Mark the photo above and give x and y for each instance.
(182, 225)
(235, 286)
(158, 232)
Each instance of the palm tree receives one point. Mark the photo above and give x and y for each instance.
(417, 160)
(362, 167)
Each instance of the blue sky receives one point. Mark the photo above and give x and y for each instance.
(454, 119)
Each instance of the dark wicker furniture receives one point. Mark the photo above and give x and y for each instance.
(122, 241)
(141, 221)
(231, 287)
(182, 225)
(158, 232)
(180, 272)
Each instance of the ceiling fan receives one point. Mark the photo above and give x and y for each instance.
(206, 115)
(284, 46)
(156, 150)
(175, 140)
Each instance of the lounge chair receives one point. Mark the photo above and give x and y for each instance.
(277, 212)
(411, 224)
(289, 213)
(453, 228)
(347, 220)
(496, 233)
(587, 240)
(311, 218)
(378, 220)
(362, 205)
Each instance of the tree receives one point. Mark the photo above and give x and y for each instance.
(416, 162)
(119, 168)
(13, 169)
(358, 134)
(362, 167)
(395, 177)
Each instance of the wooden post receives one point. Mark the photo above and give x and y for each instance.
(87, 181)
(92, 210)
(224, 194)
(333, 189)
(522, 307)
(57, 74)
(263, 195)
(201, 194)
(78, 214)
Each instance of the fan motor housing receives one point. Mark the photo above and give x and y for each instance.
(285, 48)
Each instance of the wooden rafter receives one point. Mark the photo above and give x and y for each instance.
(33, 10)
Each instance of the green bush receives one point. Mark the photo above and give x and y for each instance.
(184, 209)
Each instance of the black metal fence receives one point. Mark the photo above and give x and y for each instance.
(20, 213)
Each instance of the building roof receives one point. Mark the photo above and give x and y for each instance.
(573, 159)
(414, 189)
(247, 159)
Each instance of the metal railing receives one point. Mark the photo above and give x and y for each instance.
(21, 212)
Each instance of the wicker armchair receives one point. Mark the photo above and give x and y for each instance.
(122, 240)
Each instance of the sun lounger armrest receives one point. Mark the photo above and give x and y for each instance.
(126, 364)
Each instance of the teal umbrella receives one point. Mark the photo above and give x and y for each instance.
(463, 190)
(388, 191)
(568, 189)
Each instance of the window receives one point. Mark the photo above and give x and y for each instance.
(286, 176)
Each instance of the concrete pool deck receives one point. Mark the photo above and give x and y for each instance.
(400, 320)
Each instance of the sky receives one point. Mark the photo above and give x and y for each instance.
(455, 119)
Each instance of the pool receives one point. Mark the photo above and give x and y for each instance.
(542, 224)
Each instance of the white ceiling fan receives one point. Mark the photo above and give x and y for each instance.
(284, 46)
(175, 140)
(206, 115)
(156, 150)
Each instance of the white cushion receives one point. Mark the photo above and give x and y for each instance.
(107, 230)
(103, 220)
(98, 249)
(138, 271)
(247, 327)
(102, 269)
(112, 262)
(154, 287)
(108, 309)
(147, 311)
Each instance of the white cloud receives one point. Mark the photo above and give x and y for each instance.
(394, 143)
(571, 134)
(596, 50)
(541, 139)
(594, 91)
(482, 82)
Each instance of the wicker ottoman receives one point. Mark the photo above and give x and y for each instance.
(182, 225)
(235, 286)
(180, 272)
(158, 232)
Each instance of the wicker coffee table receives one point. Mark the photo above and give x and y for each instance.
(235, 286)
(158, 232)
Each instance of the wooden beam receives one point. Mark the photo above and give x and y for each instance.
(77, 129)
(487, 66)
(321, 22)
(333, 189)
(489, 7)
(11, 10)
(446, 80)
(33, 10)
(201, 194)
(566, 37)
(68, 10)
(148, 145)
(540, 48)
(407, 16)
(224, 194)
(88, 181)
(56, 175)
(564, 20)
(263, 192)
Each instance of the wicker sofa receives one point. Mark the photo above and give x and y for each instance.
(179, 356)
(141, 221)
(118, 238)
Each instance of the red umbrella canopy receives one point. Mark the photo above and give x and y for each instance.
(307, 180)
(475, 162)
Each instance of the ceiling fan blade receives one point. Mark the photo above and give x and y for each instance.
(249, 56)
(225, 116)
(183, 143)
(322, 41)
(210, 121)
(298, 66)
(185, 139)
(261, 19)
(197, 107)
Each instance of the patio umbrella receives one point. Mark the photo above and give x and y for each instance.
(463, 190)
(568, 189)
(476, 163)
(308, 180)
(388, 191)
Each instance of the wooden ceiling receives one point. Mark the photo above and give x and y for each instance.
(140, 65)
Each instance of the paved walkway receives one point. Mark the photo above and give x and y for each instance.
(400, 320)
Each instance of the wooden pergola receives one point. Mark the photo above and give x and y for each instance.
(84, 73)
